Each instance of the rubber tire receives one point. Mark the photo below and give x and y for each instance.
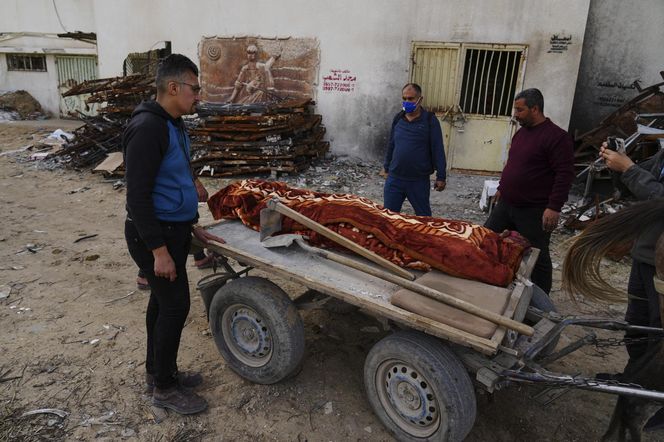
(279, 315)
(446, 376)
(543, 302)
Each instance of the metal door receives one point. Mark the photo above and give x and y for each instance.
(72, 70)
(477, 121)
(491, 76)
(435, 68)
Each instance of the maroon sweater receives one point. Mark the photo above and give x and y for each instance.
(540, 167)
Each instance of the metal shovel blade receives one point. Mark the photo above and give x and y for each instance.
(270, 223)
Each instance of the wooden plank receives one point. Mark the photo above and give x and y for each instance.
(111, 163)
(523, 304)
(527, 265)
(515, 298)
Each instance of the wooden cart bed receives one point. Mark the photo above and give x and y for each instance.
(379, 297)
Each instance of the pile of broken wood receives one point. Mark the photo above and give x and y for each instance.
(102, 134)
(235, 139)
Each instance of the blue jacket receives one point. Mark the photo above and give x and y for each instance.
(160, 185)
(415, 148)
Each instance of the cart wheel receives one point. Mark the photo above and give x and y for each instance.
(257, 330)
(543, 302)
(419, 389)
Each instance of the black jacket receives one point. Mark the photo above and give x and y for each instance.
(145, 144)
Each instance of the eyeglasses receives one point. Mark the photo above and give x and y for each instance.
(194, 87)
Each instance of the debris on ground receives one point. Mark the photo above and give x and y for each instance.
(20, 105)
(50, 145)
(578, 216)
(235, 139)
(102, 134)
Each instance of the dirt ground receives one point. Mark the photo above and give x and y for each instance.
(73, 328)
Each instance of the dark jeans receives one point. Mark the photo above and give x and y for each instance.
(169, 301)
(642, 306)
(397, 190)
(528, 222)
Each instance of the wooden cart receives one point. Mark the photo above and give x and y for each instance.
(421, 379)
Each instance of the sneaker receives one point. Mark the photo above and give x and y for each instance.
(186, 379)
(178, 399)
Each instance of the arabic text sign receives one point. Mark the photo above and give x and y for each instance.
(559, 43)
(339, 80)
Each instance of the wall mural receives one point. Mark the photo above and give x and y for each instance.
(258, 70)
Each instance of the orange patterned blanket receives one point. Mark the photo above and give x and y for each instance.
(458, 248)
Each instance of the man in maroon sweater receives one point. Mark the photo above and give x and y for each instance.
(535, 181)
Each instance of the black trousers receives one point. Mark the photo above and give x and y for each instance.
(642, 306)
(528, 222)
(169, 301)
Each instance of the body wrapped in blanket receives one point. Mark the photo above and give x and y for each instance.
(455, 247)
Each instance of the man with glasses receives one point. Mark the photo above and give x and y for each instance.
(162, 209)
(414, 150)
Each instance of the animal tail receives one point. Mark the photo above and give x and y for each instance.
(581, 268)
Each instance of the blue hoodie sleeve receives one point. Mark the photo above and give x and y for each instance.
(437, 149)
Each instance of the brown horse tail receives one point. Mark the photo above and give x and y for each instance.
(581, 273)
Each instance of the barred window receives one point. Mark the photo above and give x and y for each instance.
(489, 81)
(31, 62)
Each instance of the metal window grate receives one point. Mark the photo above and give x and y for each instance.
(32, 62)
(73, 70)
(489, 81)
(434, 69)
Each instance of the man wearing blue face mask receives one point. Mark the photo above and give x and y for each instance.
(414, 151)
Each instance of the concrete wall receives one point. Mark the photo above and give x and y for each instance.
(39, 21)
(37, 84)
(371, 39)
(623, 43)
(40, 16)
(43, 86)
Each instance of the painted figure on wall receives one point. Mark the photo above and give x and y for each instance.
(254, 83)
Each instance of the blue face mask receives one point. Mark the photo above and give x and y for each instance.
(409, 107)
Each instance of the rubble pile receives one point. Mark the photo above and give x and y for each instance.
(102, 133)
(639, 122)
(20, 105)
(234, 139)
(579, 215)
